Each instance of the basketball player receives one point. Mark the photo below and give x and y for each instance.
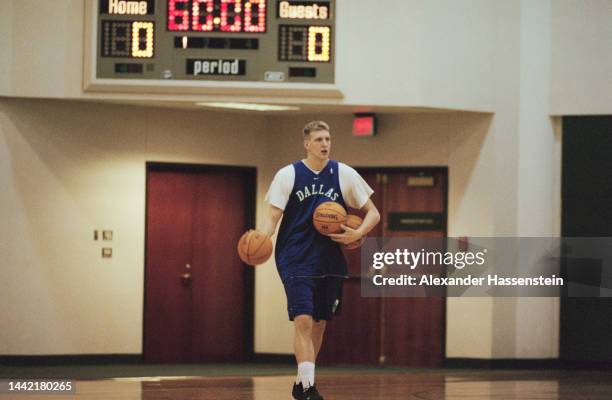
(311, 266)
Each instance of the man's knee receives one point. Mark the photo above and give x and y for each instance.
(303, 324)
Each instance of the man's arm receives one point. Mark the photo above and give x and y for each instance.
(271, 220)
(369, 222)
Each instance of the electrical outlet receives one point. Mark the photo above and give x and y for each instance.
(107, 252)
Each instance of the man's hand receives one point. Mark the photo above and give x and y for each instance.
(348, 236)
(369, 221)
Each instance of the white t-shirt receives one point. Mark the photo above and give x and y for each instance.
(355, 190)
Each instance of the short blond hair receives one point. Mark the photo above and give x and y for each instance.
(314, 126)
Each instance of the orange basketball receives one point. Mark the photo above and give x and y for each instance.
(328, 217)
(254, 247)
(353, 221)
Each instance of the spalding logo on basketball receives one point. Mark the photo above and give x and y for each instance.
(328, 217)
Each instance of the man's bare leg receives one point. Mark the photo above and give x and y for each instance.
(302, 339)
(305, 350)
(318, 329)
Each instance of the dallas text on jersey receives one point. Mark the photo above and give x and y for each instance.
(312, 190)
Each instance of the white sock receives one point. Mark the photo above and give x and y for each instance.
(306, 373)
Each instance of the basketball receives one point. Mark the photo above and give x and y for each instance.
(328, 217)
(353, 221)
(254, 248)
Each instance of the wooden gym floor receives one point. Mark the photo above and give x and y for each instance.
(421, 385)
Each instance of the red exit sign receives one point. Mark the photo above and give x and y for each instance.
(364, 125)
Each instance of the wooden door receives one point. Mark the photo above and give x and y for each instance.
(394, 331)
(199, 295)
(413, 328)
(169, 247)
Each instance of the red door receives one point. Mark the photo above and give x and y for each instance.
(394, 331)
(413, 328)
(198, 304)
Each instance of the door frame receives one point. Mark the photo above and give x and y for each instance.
(429, 169)
(249, 273)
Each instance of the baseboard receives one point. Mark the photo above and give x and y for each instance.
(105, 359)
(78, 359)
(513, 363)
(271, 358)
(581, 364)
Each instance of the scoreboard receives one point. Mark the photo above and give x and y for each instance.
(215, 40)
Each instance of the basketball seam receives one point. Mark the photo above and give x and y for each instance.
(330, 222)
(331, 209)
(248, 242)
(241, 243)
(262, 243)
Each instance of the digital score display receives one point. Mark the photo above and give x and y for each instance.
(304, 43)
(234, 40)
(127, 39)
(233, 16)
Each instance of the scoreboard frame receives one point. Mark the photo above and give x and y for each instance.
(178, 87)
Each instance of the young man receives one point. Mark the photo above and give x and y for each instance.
(311, 266)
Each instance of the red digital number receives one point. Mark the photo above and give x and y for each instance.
(258, 15)
(205, 8)
(217, 15)
(235, 13)
(178, 9)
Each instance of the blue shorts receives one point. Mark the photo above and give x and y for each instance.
(318, 297)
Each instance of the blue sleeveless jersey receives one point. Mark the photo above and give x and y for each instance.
(301, 250)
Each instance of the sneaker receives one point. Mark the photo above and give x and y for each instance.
(311, 394)
(298, 391)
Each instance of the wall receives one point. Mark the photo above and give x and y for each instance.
(539, 167)
(581, 61)
(6, 47)
(69, 168)
(47, 52)
(457, 45)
